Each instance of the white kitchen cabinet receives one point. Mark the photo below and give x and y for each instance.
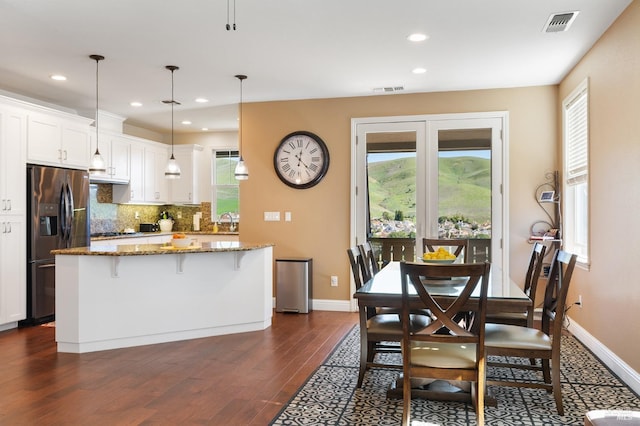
(13, 267)
(147, 183)
(133, 192)
(13, 259)
(155, 184)
(115, 151)
(191, 188)
(13, 133)
(58, 140)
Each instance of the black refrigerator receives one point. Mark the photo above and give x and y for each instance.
(58, 212)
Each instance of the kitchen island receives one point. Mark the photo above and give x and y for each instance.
(126, 295)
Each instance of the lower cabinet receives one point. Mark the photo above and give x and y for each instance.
(13, 266)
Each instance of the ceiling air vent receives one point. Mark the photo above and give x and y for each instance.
(389, 89)
(559, 22)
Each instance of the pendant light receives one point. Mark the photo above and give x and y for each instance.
(97, 165)
(241, 172)
(172, 171)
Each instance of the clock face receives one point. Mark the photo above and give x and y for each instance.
(301, 160)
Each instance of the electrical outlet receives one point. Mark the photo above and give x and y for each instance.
(580, 301)
(334, 281)
(137, 215)
(179, 215)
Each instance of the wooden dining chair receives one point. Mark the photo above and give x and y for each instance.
(527, 342)
(446, 349)
(455, 246)
(369, 258)
(531, 280)
(380, 330)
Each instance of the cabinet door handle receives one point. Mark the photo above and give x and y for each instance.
(65, 155)
(9, 226)
(4, 204)
(59, 154)
(8, 205)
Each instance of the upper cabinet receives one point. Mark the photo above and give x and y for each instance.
(192, 187)
(13, 142)
(147, 183)
(58, 139)
(115, 151)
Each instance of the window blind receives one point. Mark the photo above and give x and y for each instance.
(577, 138)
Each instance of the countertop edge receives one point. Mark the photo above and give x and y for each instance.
(159, 249)
(155, 234)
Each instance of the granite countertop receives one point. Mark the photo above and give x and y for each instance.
(152, 249)
(150, 234)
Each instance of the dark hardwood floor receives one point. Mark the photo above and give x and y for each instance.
(241, 379)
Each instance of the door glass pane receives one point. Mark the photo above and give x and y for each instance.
(464, 188)
(391, 184)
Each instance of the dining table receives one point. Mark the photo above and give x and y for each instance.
(385, 290)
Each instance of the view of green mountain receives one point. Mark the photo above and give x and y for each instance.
(464, 187)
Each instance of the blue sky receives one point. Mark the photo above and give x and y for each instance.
(374, 158)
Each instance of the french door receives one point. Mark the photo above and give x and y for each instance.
(460, 162)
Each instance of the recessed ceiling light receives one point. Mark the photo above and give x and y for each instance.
(202, 100)
(419, 70)
(58, 77)
(136, 104)
(416, 37)
(204, 129)
(187, 122)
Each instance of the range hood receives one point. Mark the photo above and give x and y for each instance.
(107, 179)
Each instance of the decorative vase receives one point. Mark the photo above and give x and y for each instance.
(166, 225)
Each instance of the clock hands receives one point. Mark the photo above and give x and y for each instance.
(299, 157)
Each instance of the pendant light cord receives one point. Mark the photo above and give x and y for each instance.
(234, 16)
(172, 103)
(97, 58)
(241, 78)
(241, 120)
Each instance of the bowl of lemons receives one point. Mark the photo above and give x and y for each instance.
(441, 255)
(180, 240)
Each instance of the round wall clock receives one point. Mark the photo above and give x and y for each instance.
(301, 159)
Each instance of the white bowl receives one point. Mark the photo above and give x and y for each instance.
(181, 242)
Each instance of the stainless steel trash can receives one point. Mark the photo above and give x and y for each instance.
(293, 285)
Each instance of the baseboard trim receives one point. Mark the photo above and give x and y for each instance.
(331, 305)
(620, 368)
(327, 305)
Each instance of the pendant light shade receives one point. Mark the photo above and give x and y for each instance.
(97, 165)
(241, 171)
(172, 171)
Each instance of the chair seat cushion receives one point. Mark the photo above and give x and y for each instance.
(390, 323)
(508, 315)
(516, 337)
(443, 355)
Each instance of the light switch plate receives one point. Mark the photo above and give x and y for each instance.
(271, 216)
(287, 216)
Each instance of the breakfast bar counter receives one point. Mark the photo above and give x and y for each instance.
(118, 296)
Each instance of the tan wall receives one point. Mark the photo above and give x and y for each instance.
(610, 289)
(320, 225)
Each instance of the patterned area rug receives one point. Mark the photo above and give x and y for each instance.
(330, 397)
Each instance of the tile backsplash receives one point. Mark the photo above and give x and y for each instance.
(109, 217)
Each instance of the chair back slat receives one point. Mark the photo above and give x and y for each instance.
(369, 258)
(557, 288)
(447, 318)
(357, 266)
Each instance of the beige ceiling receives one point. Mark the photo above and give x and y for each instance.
(290, 49)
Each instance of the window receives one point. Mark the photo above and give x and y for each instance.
(226, 191)
(575, 119)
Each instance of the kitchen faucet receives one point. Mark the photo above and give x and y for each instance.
(232, 227)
